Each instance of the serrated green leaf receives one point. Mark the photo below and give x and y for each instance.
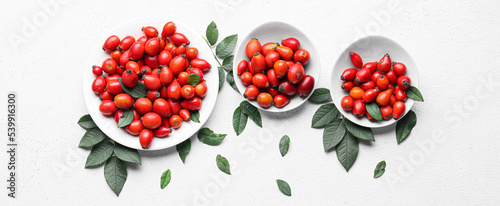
(333, 134)
(221, 77)
(115, 173)
(99, 154)
(212, 33)
(227, 64)
(183, 149)
(252, 112)
(374, 111)
(324, 115)
(165, 179)
(127, 154)
(195, 116)
(414, 94)
(91, 138)
(379, 170)
(284, 187)
(347, 151)
(405, 125)
(284, 145)
(193, 79)
(86, 122)
(137, 92)
(230, 80)
(226, 46)
(239, 121)
(320, 95)
(207, 136)
(360, 132)
(126, 118)
(223, 164)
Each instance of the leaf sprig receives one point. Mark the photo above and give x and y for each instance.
(343, 135)
(223, 50)
(104, 150)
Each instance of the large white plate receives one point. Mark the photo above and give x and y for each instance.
(371, 48)
(108, 125)
(275, 32)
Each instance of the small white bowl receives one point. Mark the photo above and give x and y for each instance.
(275, 32)
(371, 48)
(108, 124)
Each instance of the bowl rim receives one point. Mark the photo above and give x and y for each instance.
(409, 102)
(100, 124)
(316, 78)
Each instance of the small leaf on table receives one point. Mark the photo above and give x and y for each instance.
(183, 149)
(165, 179)
(207, 136)
(223, 164)
(379, 170)
(284, 145)
(405, 125)
(284, 187)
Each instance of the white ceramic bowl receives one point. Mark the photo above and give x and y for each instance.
(108, 125)
(371, 48)
(275, 32)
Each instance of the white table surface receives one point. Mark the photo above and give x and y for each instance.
(455, 45)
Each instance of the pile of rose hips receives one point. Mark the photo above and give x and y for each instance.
(160, 63)
(275, 73)
(383, 83)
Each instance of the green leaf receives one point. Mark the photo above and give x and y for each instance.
(414, 94)
(127, 154)
(230, 80)
(360, 132)
(207, 136)
(212, 33)
(195, 116)
(183, 149)
(333, 134)
(347, 151)
(193, 79)
(379, 170)
(137, 92)
(126, 118)
(227, 64)
(239, 121)
(284, 145)
(99, 154)
(223, 164)
(221, 77)
(115, 173)
(252, 112)
(86, 122)
(374, 111)
(324, 115)
(284, 187)
(320, 95)
(91, 138)
(226, 46)
(165, 179)
(405, 125)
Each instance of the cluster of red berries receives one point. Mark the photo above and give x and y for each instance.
(167, 70)
(383, 82)
(275, 73)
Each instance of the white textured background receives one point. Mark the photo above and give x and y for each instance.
(455, 45)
